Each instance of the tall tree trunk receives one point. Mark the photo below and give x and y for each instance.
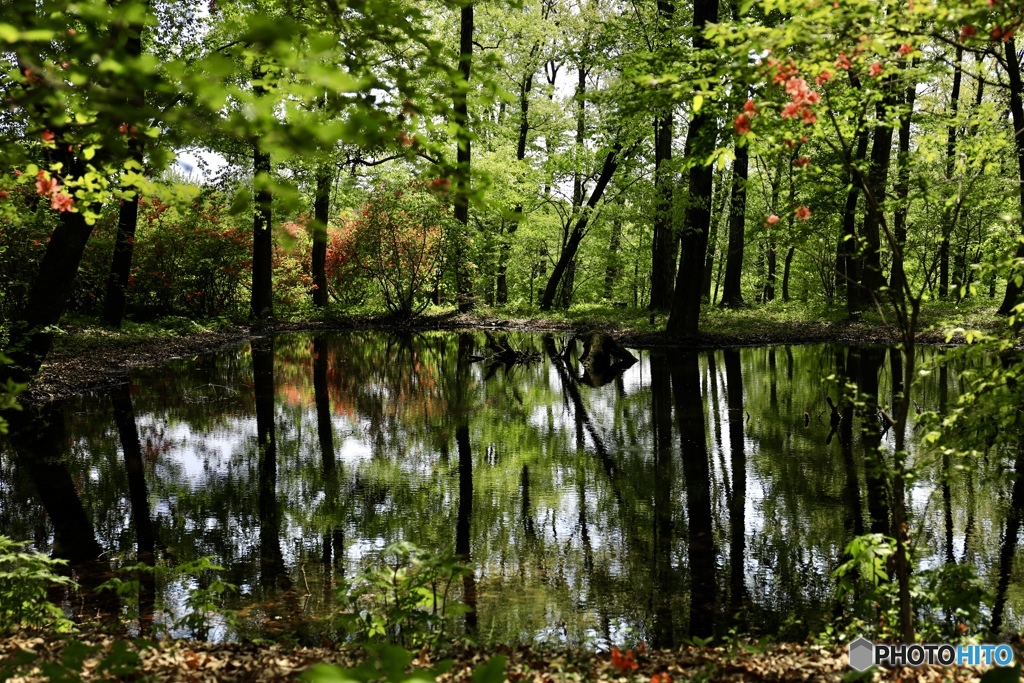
(663, 239)
(732, 294)
(463, 186)
(1012, 296)
(261, 305)
(115, 296)
(948, 215)
(852, 258)
(524, 132)
(700, 139)
(875, 186)
(719, 196)
(321, 217)
(902, 190)
(579, 229)
(663, 242)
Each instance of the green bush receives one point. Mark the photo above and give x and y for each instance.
(25, 577)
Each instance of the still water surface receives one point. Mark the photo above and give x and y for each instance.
(690, 494)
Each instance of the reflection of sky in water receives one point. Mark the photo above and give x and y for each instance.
(396, 479)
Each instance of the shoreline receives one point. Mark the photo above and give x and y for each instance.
(90, 359)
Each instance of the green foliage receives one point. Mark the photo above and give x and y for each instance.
(409, 600)
(401, 240)
(204, 602)
(25, 578)
(953, 600)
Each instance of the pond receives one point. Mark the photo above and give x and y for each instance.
(691, 494)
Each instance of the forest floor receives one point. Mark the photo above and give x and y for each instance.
(38, 658)
(87, 356)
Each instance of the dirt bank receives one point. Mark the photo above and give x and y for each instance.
(85, 359)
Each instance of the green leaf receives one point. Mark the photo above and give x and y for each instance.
(8, 33)
(698, 102)
(491, 671)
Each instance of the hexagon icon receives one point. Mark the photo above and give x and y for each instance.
(862, 654)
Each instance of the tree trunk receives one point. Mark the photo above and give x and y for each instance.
(115, 297)
(717, 209)
(769, 281)
(321, 217)
(663, 243)
(902, 190)
(611, 272)
(1012, 296)
(848, 239)
(785, 273)
(463, 282)
(948, 215)
(31, 335)
(611, 162)
(524, 131)
(732, 294)
(875, 186)
(700, 139)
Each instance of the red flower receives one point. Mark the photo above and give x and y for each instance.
(843, 62)
(742, 124)
(45, 184)
(791, 110)
(967, 32)
(875, 69)
(905, 49)
(61, 202)
(3, 194)
(47, 136)
(803, 213)
(772, 220)
(622, 662)
(808, 116)
(824, 77)
(750, 108)
(802, 161)
(661, 678)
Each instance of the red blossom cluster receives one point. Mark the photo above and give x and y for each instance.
(623, 662)
(48, 186)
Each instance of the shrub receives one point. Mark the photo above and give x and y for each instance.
(400, 240)
(24, 580)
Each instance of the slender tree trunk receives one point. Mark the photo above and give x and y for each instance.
(524, 132)
(902, 190)
(686, 303)
(463, 282)
(663, 239)
(732, 294)
(579, 229)
(321, 218)
(769, 280)
(948, 215)
(852, 258)
(611, 273)
(1012, 296)
(719, 197)
(786, 269)
(262, 298)
(663, 242)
